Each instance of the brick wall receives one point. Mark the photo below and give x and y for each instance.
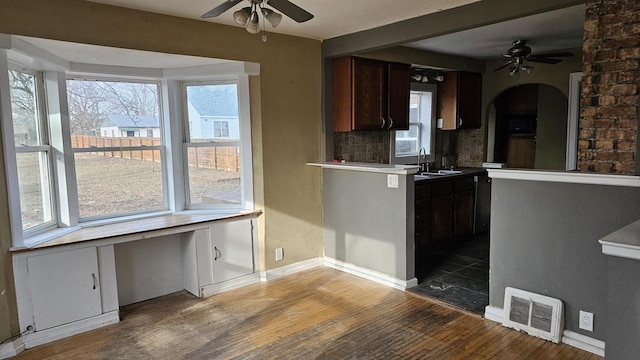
(610, 96)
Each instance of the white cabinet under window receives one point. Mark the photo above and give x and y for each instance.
(225, 251)
(65, 287)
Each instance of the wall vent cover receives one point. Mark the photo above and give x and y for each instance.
(534, 314)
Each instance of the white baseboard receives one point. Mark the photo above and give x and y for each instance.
(229, 285)
(569, 337)
(290, 269)
(368, 274)
(11, 349)
(63, 331)
(585, 343)
(493, 314)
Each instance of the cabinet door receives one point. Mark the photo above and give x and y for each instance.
(463, 213)
(398, 96)
(232, 250)
(64, 287)
(442, 220)
(448, 100)
(368, 96)
(469, 100)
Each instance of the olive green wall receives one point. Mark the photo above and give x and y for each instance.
(285, 109)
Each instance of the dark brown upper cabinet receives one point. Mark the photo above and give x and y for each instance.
(459, 100)
(370, 95)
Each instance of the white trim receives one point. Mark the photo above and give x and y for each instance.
(565, 177)
(63, 331)
(12, 348)
(368, 274)
(569, 337)
(582, 342)
(290, 269)
(620, 250)
(212, 71)
(624, 242)
(494, 313)
(232, 284)
(369, 167)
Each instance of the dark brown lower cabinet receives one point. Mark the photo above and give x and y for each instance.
(443, 213)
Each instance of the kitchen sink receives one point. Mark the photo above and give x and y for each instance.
(449, 172)
(432, 173)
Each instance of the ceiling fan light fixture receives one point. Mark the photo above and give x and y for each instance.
(241, 17)
(526, 68)
(272, 17)
(253, 23)
(438, 78)
(513, 70)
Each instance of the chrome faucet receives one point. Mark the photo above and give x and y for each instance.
(422, 154)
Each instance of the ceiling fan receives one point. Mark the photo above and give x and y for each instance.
(520, 52)
(248, 16)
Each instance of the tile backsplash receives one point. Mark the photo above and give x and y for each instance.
(362, 146)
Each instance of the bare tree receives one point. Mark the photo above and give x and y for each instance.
(23, 107)
(84, 98)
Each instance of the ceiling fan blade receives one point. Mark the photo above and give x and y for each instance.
(503, 66)
(291, 10)
(544, 60)
(228, 4)
(558, 54)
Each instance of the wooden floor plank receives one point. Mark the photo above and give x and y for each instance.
(316, 314)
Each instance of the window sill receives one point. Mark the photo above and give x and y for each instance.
(130, 230)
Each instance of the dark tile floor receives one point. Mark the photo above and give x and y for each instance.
(460, 278)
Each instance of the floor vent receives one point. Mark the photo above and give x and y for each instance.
(534, 314)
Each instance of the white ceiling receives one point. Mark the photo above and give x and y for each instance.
(332, 17)
(559, 29)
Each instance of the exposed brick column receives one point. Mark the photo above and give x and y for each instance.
(610, 96)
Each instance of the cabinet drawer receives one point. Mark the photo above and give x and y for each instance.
(423, 221)
(463, 184)
(422, 206)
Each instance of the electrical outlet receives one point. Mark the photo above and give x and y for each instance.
(392, 181)
(586, 320)
(279, 254)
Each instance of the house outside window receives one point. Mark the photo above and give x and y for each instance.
(149, 133)
(221, 129)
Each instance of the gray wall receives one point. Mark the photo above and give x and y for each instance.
(367, 224)
(544, 239)
(551, 134)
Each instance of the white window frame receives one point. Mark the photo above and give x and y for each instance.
(160, 148)
(47, 180)
(55, 72)
(246, 168)
(413, 158)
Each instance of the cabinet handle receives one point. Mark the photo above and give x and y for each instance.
(390, 122)
(218, 254)
(383, 122)
(459, 122)
(93, 276)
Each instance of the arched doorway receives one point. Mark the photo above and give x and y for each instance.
(527, 128)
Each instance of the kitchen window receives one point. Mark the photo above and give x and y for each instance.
(405, 144)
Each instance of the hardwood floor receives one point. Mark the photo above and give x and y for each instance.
(315, 314)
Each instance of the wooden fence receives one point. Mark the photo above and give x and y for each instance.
(225, 158)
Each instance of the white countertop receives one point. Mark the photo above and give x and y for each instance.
(571, 177)
(624, 242)
(369, 167)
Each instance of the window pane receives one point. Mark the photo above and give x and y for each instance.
(27, 129)
(213, 171)
(123, 118)
(409, 142)
(115, 185)
(214, 175)
(212, 112)
(35, 197)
